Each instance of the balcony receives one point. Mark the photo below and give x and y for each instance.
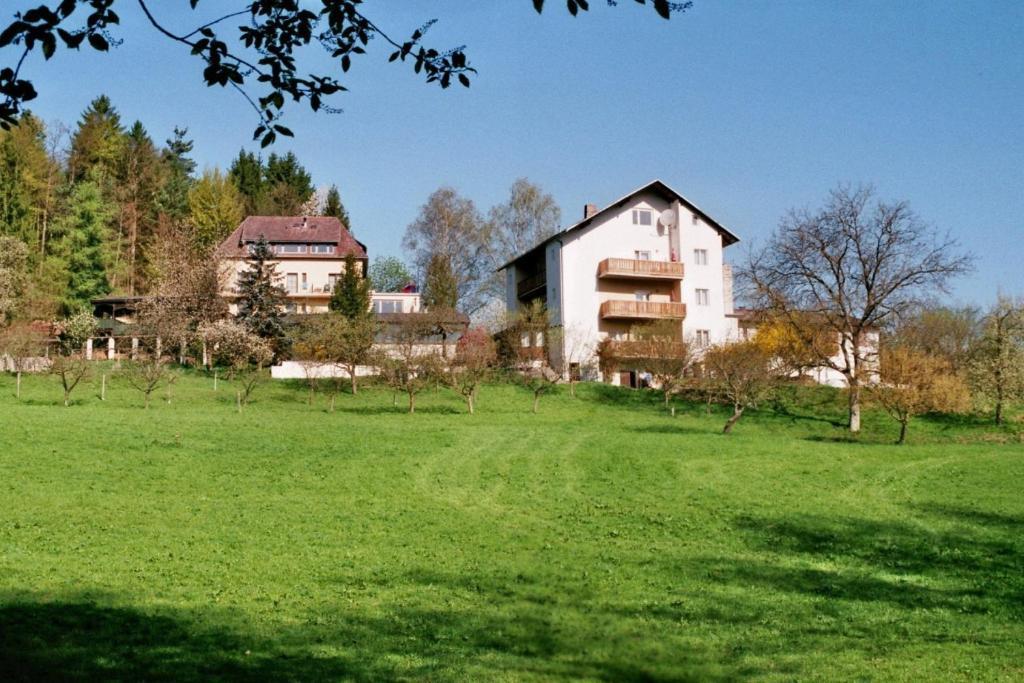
(531, 285)
(638, 269)
(616, 309)
(645, 350)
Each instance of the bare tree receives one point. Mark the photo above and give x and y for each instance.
(407, 363)
(450, 225)
(855, 265)
(743, 373)
(71, 370)
(475, 355)
(997, 364)
(912, 382)
(949, 333)
(529, 216)
(242, 352)
(146, 375)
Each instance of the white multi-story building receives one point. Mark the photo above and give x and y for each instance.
(650, 255)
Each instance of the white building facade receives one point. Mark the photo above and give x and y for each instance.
(651, 255)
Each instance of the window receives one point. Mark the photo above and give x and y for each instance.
(703, 338)
(642, 255)
(703, 297)
(641, 217)
(643, 296)
(292, 282)
(332, 281)
(321, 248)
(700, 257)
(305, 282)
(291, 248)
(387, 306)
(695, 220)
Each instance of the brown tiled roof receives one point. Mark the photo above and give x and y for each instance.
(293, 229)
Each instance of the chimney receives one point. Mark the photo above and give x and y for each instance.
(589, 210)
(305, 222)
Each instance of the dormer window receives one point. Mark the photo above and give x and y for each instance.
(291, 248)
(641, 217)
(321, 249)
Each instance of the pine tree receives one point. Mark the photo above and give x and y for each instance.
(140, 177)
(247, 173)
(173, 199)
(261, 298)
(335, 208)
(439, 288)
(351, 296)
(287, 186)
(96, 144)
(85, 246)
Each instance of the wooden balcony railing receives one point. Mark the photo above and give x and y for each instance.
(635, 268)
(643, 350)
(531, 284)
(642, 310)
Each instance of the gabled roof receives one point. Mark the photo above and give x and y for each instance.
(293, 229)
(655, 186)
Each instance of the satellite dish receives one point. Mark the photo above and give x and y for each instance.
(667, 218)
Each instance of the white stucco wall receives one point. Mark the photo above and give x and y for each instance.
(615, 236)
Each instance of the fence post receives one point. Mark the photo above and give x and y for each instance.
(111, 348)
(88, 348)
(135, 348)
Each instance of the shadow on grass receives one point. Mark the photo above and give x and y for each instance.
(47, 639)
(1013, 523)
(65, 640)
(677, 429)
(977, 571)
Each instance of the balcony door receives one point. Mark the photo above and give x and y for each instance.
(292, 283)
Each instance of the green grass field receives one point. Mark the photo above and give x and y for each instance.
(600, 539)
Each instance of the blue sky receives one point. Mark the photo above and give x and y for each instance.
(747, 108)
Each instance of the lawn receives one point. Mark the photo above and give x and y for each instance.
(600, 539)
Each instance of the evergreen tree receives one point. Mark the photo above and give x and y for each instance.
(247, 173)
(439, 288)
(140, 178)
(334, 207)
(261, 298)
(27, 180)
(96, 144)
(351, 296)
(84, 247)
(173, 199)
(216, 209)
(287, 186)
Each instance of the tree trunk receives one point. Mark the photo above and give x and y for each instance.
(334, 397)
(352, 376)
(412, 402)
(215, 379)
(238, 399)
(469, 403)
(536, 402)
(103, 387)
(67, 398)
(737, 413)
(572, 388)
(903, 431)
(999, 406)
(854, 387)
(147, 401)
(17, 389)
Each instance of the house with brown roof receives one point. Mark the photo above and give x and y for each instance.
(310, 253)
